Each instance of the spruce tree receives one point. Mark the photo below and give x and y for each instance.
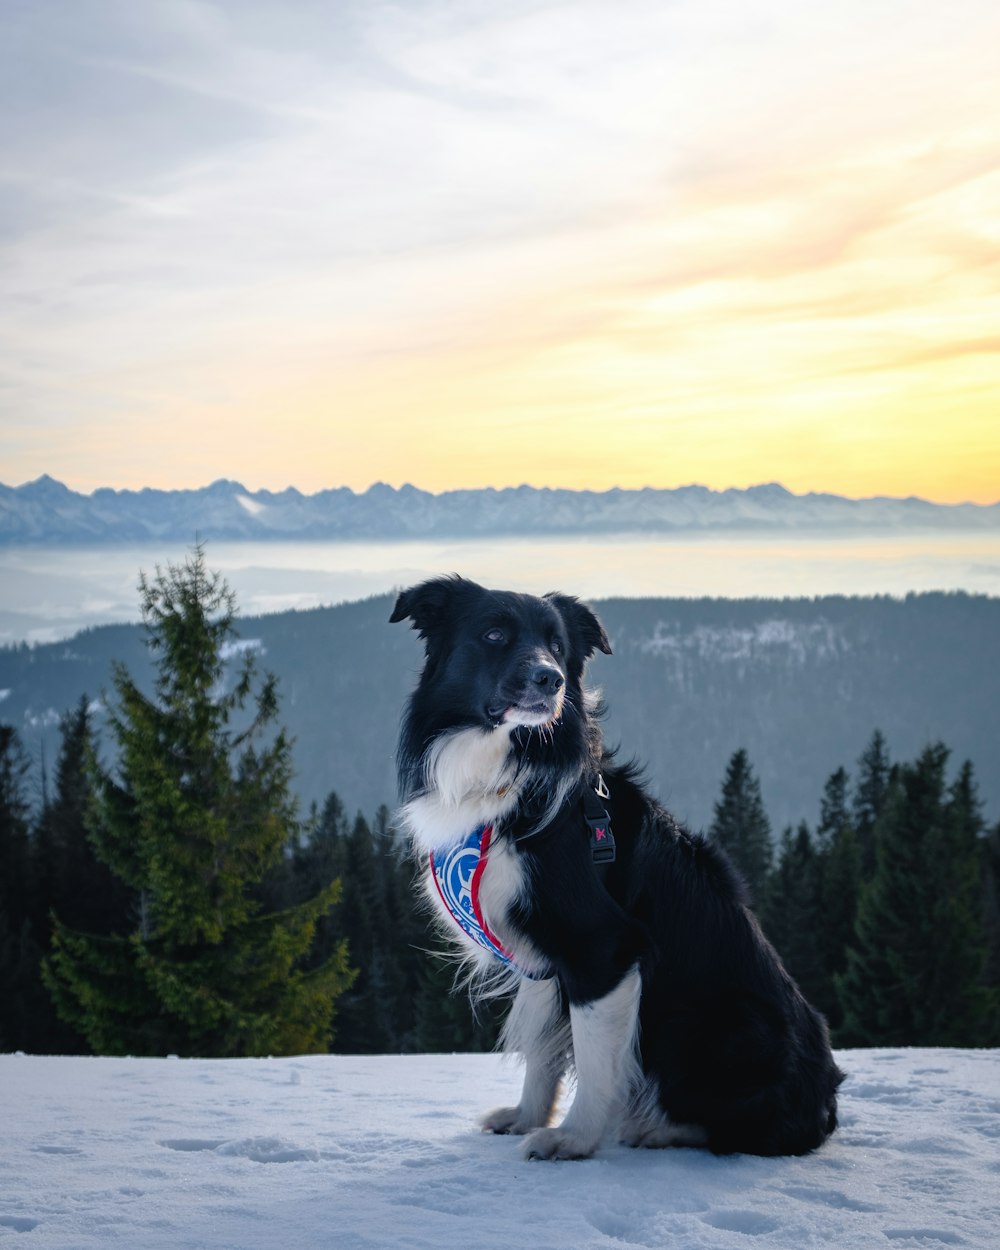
(70, 880)
(77, 886)
(20, 952)
(839, 865)
(196, 812)
(387, 974)
(16, 869)
(874, 777)
(989, 851)
(834, 814)
(369, 1018)
(791, 914)
(383, 919)
(320, 855)
(913, 974)
(740, 825)
(966, 1008)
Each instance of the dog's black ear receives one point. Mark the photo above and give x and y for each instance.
(582, 623)
(426, 604)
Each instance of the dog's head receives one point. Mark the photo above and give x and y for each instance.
(498, 658)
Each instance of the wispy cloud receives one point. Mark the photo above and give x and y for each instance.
(283, 221)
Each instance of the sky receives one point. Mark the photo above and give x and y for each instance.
(629, 243)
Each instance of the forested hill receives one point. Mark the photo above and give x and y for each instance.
(801, 684)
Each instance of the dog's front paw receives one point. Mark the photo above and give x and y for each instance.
(558, 1143)
(508, 1120)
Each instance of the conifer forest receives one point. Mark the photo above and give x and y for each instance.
(163, 891)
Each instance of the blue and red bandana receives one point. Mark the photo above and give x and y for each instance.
(457, 875)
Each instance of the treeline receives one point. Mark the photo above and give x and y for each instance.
(175, 902)
(52, 882)
(888, 912)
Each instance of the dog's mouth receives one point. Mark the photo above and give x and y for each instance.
(531, 713)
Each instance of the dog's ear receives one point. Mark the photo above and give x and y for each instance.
(582, 624)
(426, 604)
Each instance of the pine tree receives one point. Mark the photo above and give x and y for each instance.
(874, 778)
(401, 951)
(15, 843)
(19, 949)
(76, 885)
(989, 851)
(833, 809)
(913, 974)
(196, 814)
(385, 921)
(791, 914)
(966, 1008)
(740, 825)
(839, 882)
(361, 1027)
(69, 879)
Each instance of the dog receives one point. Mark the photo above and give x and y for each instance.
(634, 957)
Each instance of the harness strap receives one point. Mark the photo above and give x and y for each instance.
(477, 876)
(602, 840)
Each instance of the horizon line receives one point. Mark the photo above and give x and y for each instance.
(407, 485)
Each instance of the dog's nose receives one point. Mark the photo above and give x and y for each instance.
(547, 677)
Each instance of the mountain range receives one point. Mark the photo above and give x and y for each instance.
(47, 511)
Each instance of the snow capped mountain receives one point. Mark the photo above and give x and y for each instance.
(46, 511)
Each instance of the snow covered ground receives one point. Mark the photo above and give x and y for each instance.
(344, 1153)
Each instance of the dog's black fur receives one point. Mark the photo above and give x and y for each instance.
(729, 1053)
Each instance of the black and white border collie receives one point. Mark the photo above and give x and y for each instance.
(648, 976)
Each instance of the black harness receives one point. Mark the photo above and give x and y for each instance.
(598, 821)
(589, 803)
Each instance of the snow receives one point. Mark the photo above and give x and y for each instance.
(352, 1153)
(729, 644)
(240, 647)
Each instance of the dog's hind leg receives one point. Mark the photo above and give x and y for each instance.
(538, 1028)
(604, 1055)
(647, 1124)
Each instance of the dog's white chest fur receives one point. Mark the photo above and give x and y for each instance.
(470, 781)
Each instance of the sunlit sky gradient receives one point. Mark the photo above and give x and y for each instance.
(626, 243)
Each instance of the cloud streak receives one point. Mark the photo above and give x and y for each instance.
(256, 228)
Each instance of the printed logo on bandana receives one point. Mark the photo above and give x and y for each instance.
(457, 872)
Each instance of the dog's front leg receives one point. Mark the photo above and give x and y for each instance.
(604, 1039)
(537, 1027)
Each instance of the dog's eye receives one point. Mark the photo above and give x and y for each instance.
(556, 647)
(495, 635)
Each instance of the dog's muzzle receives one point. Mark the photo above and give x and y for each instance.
(538, 702)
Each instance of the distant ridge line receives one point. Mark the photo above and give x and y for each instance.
(46, 511)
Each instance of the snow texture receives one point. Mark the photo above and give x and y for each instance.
(351, 1153)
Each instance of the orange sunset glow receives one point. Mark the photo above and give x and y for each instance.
(578, 246)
